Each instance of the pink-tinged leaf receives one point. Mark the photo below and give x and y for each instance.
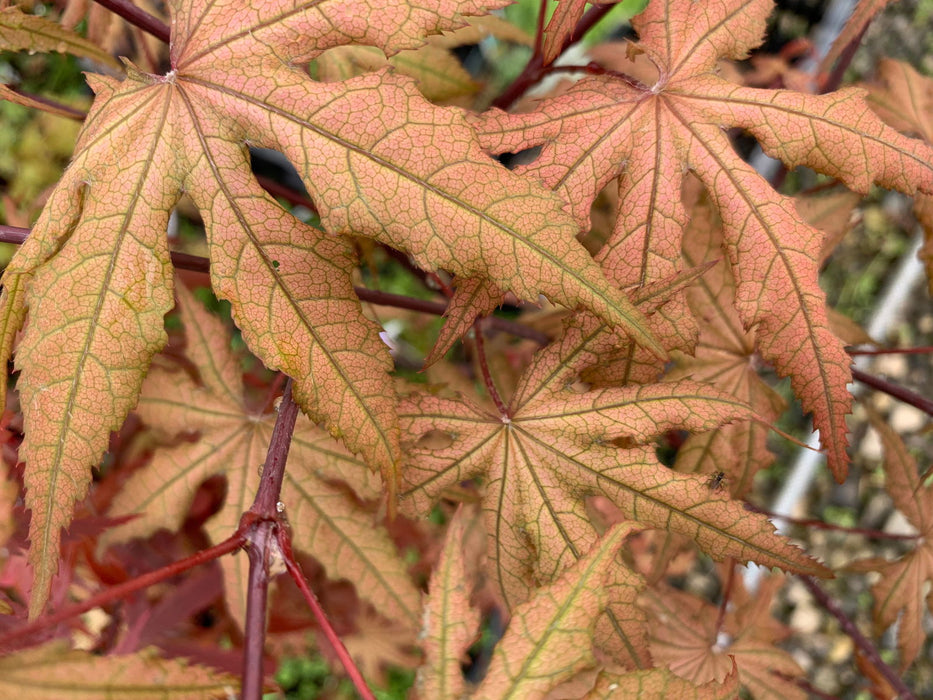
(904, 99)
(621, 634)
(603, 125)
(555, 447)
(450, 625)
(466, 213)
(687, 640)
(20, 31)
(95, 270)
(725, 358)
(96, 310)
(290, 288)
(472, 298)
(560, 28)
(902, 594)
(548, 638)
(54, 671)
(437, 71)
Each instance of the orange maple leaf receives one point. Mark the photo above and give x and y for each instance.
(648, 134)
(687, 640)
(903, 591)
(554, 447)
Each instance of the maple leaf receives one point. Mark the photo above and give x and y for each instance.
(687, 640)
(648, 135)
(904, 99)
(19, 31)
(378, 160)
(434, 66)
(659, 683)
(554, 447)
(560, 27)
(325, 521)
(548, 637)
(903, 591)
(54, 671)
(450, 624)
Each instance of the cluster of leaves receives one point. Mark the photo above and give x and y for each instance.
(701, 261)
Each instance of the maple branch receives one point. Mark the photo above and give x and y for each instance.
(861, 641)
(327, 628)
(896, 390)
(263, 524)
(269, 538)
(919, 350)
(822, 525)
(535, 69)
(122, 590)
(539, 30)
(726, 595)
(140, 18)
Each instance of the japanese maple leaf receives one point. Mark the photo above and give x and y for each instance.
(904, 99)
(232, 440)
(54, 671)
(904, 590)
(548, 639)
(378, 161)
(553, 447)
(648, 135)
(687, 640)
(725, 358)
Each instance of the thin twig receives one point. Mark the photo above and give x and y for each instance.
(919, 350)
(326, 627)
(140, 18)
(861, 641)
(484, 368)
(822, 525)
(535, 69)
(726, 596)
(896, 390)
(539, 31)
(122, 590)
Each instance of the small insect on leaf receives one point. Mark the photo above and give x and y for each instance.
(716, 481)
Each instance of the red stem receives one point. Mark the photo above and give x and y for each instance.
(821, 525)
(921, 350)
(326, 627)
(895, 390)
(140, 18)
(539, 30)
(726, 595)
(264, 513)
(122, 590)
(484, 368)
(861, 641)
(536, 69)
